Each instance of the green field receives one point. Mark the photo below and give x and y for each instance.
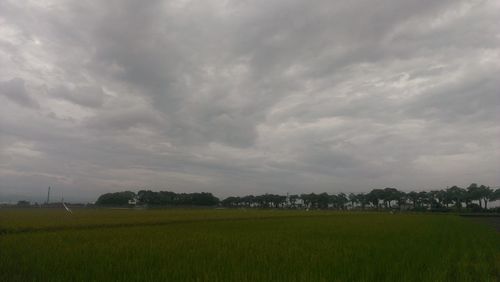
(243, 245)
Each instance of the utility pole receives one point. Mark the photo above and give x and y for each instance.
(48, 196)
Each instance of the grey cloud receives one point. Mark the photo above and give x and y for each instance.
(474, 95)
(15, 90)
(123, 119)
(248, 97)
(87, 96)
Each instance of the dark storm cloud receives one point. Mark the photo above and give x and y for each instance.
(248, 96)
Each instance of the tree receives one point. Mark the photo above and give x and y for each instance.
(202, 199)
(434, 199)
(115, 199)
(495, 195)
(442, 198)
(23, 203)
(342, 200)
(375, 196)
(389, 195)
(423, 199)
(308, 199)
(485, 193)
(446, 198)
(230, 201)
(323, 199)
(260, 200)
(363, 200)
(413, 196)
(400, 198)
(353, 198)
(457, 194)
(473, 194)
(278, 200)
(293, 200)
(270, 200)
(248, 201)
(167, 198)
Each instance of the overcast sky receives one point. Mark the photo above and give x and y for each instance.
(247, 97)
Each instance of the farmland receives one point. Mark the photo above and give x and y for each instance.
(243, 245)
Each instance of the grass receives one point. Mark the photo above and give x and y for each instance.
(236, 245)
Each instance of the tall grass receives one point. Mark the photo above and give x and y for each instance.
(186, 245)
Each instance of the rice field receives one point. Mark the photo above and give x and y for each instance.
(243, 245)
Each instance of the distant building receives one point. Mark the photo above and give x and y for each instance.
(133, 201)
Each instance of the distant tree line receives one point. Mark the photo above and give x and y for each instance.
(161, 198)
(474, 198)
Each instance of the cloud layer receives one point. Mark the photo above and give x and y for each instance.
(240, 97)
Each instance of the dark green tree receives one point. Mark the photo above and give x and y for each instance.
(323, 199)
(458, 195)
(363, 200)
(375, 196)
(115, 199)
(353, 198)
(485, 193)
(413, 197)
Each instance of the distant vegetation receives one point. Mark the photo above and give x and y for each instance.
(162, 198)
(116, 199)
(473, 198)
